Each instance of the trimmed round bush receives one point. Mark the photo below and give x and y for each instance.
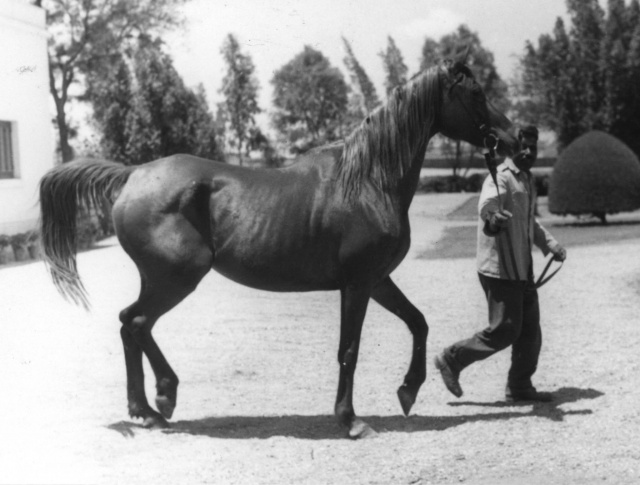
(596, 174)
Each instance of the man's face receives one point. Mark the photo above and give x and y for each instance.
(528, 153)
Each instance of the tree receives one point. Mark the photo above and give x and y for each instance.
(144, 111)
(431, 54)
(621, 74)
(586, 77)
(597, 175)
(112, 102)
(481, 62)
(240, 89)
(85, 36)
(586, 37)
(310, 99)
(545, 92)
(629, 122)
(362, 85)
(394, 67)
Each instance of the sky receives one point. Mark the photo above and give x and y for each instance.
(272, 32)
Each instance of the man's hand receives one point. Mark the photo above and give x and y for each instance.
(559, 253)
(499, 220)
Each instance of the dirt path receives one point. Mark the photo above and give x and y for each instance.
(258, 378)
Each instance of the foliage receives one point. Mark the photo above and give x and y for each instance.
(240, 90)
(19, 239)
(481, 62)
(451, 183)
(596, 174)
(364, 90)
(112, 101)
(587, 76)
(144, 110)
(4, 241)
(310, 99)
(394, 67)
(84, 37)
(362, 96)
(19, 247)
(541, 181)
(259, 141)
(470, 183)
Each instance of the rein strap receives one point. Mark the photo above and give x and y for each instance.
(542, 280)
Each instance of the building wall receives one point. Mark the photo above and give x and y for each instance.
(25, 103)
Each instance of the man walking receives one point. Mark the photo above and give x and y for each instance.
(507, 230)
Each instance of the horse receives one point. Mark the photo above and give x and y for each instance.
(336, 220)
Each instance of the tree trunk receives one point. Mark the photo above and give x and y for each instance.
(240, 158)
(60, 100)
(456, 161)
(602, 216)
(63, 131)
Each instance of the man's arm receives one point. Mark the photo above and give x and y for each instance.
(494, 217)
(546, 242)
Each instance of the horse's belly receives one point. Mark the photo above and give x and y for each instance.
(274, 279)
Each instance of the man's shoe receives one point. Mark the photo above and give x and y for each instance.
(530, 395)
(449, 376)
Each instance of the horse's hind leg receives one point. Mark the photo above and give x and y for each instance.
(389, 296)
(170, 267)
(136, 396)
(158, 296)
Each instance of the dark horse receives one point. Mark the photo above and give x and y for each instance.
(335, 220)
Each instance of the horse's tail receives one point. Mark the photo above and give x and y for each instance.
(63, 191)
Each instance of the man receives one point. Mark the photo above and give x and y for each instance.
(506, 231)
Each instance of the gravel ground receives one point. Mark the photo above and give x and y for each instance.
(258, 378)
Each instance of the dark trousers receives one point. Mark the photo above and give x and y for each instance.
(514, 319)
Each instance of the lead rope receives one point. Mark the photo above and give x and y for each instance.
(490, 143)
(542, 280)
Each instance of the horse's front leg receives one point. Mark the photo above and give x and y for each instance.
(389, 296)
(354, 301)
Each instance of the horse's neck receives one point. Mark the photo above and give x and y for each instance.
(409, 182)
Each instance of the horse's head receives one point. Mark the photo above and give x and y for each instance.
(466, 113)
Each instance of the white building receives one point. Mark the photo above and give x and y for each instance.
(26, 132)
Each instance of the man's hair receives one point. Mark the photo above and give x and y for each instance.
(530, 131)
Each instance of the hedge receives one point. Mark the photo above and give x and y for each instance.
(596, 174)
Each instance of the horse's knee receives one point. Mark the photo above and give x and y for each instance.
(422, 327)
(125, 335)
(139, 327)
(133, 326)
(417, 323)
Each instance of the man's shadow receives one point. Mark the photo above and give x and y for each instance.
(326, 427)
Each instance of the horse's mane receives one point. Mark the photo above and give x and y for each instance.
(380, 150)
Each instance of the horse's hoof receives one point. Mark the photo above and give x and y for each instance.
(166, 406)
(155, 422)
(360, 430)
(407, 397)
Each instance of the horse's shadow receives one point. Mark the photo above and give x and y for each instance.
(326, 427)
